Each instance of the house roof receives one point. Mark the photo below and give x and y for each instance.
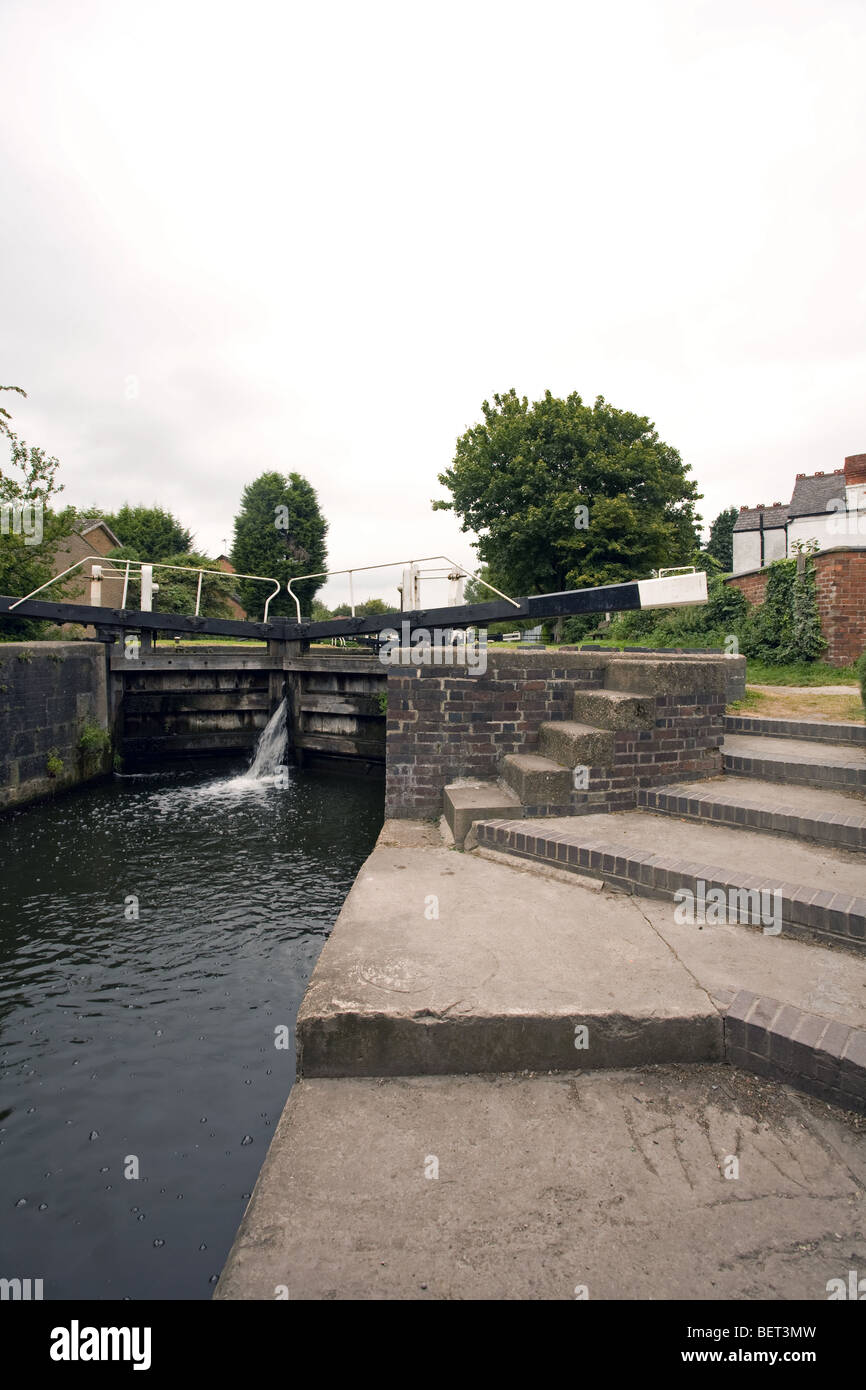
(92, 525)
(811, 495)
(750, 518)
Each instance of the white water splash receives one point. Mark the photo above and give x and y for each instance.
(271, 752)
(271, 749)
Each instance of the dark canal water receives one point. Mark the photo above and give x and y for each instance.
(155, 1038)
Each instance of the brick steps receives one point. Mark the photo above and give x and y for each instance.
(655, 856)
(797, 761)
(799, 813)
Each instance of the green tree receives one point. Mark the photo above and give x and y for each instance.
(562, 495)
(150, 532)
(475, 592)
(29, 529)
(370, 608)
(177, 592)
(279, 532)
(721, 542)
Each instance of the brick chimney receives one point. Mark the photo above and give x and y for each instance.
(855, 469)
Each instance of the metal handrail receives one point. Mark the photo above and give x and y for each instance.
(106, 562)
(389, 564)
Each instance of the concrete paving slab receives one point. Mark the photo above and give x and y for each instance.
(606, 1185)
(441, 962)
(727, 957)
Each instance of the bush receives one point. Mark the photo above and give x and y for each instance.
(705, 625)
(860, 668)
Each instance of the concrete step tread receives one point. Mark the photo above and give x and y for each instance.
(792, 799)
(571, 727)
(464, 802)
(479, 793)
(810, 730)
(794, 750)
(532, 762)
(712, 851)
(497, 980)
(614, 696)
(614, 709)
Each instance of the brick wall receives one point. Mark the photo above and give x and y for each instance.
(443, 726)
(752, 585)
(48, 692)
(840, 580)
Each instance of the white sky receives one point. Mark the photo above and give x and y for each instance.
(319, 235)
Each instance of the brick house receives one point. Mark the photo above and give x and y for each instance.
(829, 508)
(91, 537)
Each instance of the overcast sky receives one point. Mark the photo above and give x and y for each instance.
(315, 237)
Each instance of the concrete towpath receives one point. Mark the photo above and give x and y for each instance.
(465, 1125)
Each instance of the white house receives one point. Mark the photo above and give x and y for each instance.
(829, 508)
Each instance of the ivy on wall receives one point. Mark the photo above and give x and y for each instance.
(787, 626)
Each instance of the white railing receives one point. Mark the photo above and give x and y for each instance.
(411, 577)
(103, 568)
(146, 569)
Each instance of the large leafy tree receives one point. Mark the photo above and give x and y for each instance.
(27, 541)
(279, 532)
(148, 533)
(721, 542)
(563, 495)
